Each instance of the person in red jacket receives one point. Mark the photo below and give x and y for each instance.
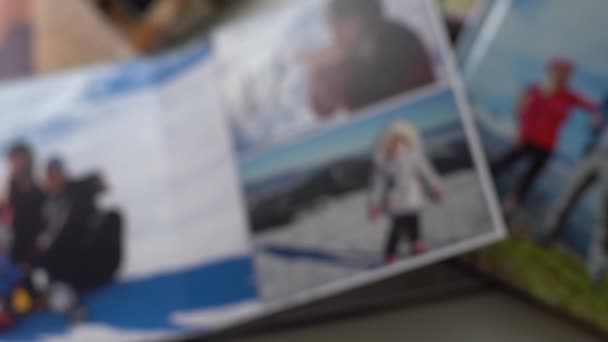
(542, 110)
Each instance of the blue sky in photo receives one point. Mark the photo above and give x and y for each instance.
(351, 138)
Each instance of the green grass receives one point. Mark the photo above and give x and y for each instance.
(550, 274)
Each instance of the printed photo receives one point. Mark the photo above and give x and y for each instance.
(543, 127)
(322, 62)
(107, 230)
(353, 144)
(379, 195)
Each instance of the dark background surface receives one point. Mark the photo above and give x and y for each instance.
(448, 301)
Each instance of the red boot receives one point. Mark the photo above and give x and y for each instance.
(391, 259)
(418, 248)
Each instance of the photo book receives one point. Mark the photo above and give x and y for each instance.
(311, 148)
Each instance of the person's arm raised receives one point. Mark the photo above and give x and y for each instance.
(594, 109)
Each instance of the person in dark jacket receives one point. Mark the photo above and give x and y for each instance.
(82, 243)
(24, 205)
(80, 247)
(370, 59)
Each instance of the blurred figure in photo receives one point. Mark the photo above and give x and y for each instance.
(402, 176)
(591, 171)
(542, 111)
(370, 58)
(81, 243)
(22, 215)
(23, 207)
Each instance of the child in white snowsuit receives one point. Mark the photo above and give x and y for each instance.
(401, 179)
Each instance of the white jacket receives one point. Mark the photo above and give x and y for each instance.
(401, 185)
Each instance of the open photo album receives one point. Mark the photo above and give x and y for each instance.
(312, 148)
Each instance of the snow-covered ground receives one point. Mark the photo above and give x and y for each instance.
(336, 240)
